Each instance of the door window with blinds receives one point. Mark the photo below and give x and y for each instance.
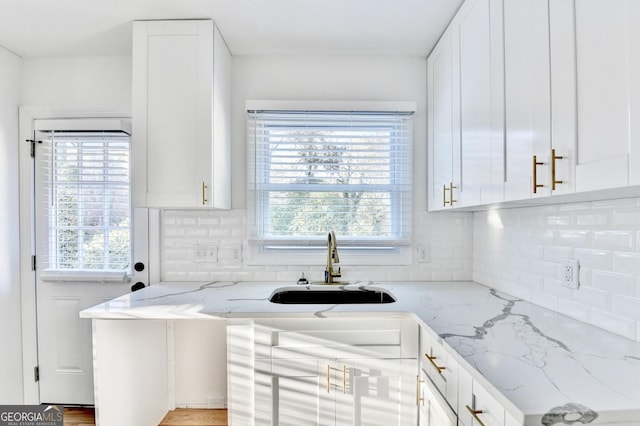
(83, 199)
(311, 172)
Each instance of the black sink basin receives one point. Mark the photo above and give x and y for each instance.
(330, 295)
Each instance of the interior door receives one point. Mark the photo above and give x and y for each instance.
(64, 340)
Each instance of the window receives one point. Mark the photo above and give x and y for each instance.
(316, 171)
(84, 190)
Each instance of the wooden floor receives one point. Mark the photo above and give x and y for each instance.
(179, 417)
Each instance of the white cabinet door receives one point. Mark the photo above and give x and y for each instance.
(434, 409)
(562, 42)
(479, 31)
(180, 103)
(293, 393)
(443, 123)
(376, 392)
(527, 98)
(607, 91)
(441, 367)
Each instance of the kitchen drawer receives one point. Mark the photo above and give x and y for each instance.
(474, 397)
(441, 367)
(335, 338)
(434, 409)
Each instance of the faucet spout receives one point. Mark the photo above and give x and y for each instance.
(330, 271)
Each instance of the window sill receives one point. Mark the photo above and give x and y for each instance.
(83, 276)
(260, 255)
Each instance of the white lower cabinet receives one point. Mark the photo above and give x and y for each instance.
(323, 372)
(349, 372)
(366, 392)
(434, 409)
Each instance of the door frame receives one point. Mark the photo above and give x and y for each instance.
(27, 115)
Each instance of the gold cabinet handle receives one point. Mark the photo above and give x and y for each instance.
(444, 196)
(451, 188)
(419, 398)
(536, 185)
(554, 181)
(432, 360)
(344, 379)
(204, 193)
(474, 414)
(328, 378)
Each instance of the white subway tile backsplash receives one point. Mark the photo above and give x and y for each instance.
(614, 282)
(449, 237)
(614, 240)
(573, 238)
(556, 253)
(628, 307)
(627, 218)
(573, 309)
(614, 323)
(598, 259)
(593, 219)
(603, 236)
(593, 298)
(626, 262)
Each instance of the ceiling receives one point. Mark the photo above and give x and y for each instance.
(35, 28)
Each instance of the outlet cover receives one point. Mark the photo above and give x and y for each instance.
(206, 254)
(422, 253)
(570, 273)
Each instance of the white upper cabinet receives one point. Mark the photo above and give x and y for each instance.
(527, 98)
(181, 115)
(479, 30)
(444, 139)
(465, 109)
(562, 56)
(608, 92)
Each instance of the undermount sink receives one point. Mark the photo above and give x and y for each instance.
(325, 294)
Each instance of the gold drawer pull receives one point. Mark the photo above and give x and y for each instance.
(444, 195)
(344, 379)
(204, 193)
(554, 157)
(536, 163)
(451, 188)
(328, 378)
(418, 397)
(432, 360)
(474, 414)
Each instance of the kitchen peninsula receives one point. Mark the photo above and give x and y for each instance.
(540, 367)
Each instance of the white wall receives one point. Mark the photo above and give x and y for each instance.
(84, 81)
(520, 252)
(358, 78)
(11, 390)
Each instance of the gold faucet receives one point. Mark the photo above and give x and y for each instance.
(332, 258)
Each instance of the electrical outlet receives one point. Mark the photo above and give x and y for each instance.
(206, 254)
(231, 254)
(422, 253)
(570, 273)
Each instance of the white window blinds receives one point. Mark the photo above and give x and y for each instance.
(315, 171)
(83, 194)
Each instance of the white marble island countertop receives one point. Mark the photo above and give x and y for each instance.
(544, 367)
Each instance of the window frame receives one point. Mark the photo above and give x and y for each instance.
(391, 250)
(48, 271)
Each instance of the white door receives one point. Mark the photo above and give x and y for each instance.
(83, 248)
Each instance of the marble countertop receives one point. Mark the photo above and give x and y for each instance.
(544, 367)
